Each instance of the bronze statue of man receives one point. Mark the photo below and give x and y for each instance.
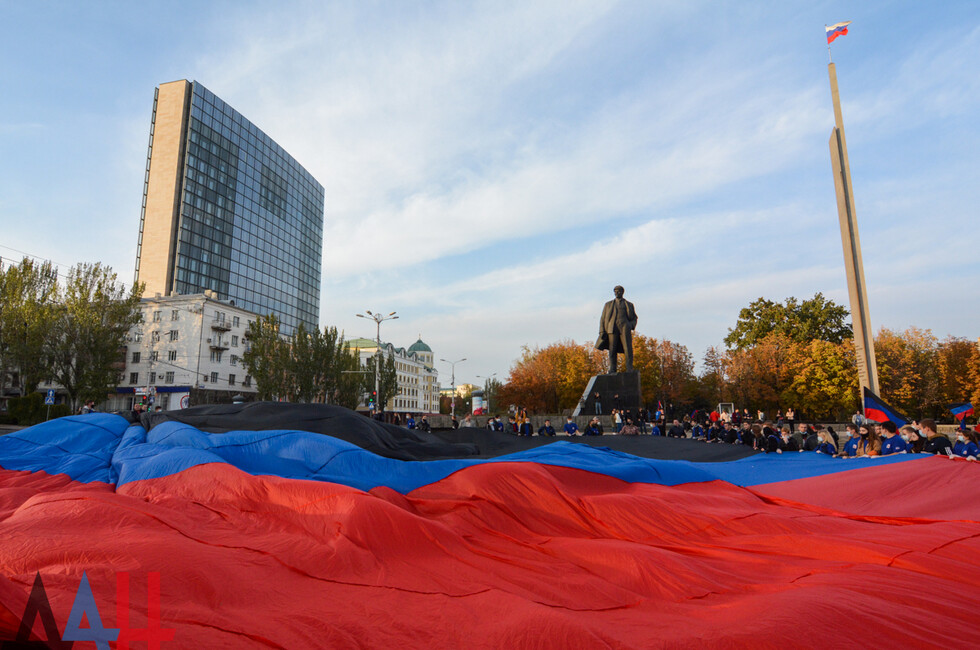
(616, 330)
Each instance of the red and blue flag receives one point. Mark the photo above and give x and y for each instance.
(877, 410)
(174, 537)
(961, 411)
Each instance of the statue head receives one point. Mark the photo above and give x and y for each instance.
(618, 290)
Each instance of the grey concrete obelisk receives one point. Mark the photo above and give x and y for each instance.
(860, 314)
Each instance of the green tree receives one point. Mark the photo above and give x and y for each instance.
(27, 310)
(266, 358)
(88, 337)
(491, 392)
(816, 319)
(387, 378)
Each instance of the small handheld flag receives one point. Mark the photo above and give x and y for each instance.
(961, 411)
(876, 409)
(840, 29)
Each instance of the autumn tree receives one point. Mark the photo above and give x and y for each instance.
(907, 371)
(824, 380)
(666, 370)
(957, 360)
(551, 379)
(816, 319)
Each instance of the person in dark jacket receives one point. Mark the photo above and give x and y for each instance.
(424, 424)
(547, 429)
(936, 443)
(772, 439)
(594, 428)
(787, 442)
(676, 430)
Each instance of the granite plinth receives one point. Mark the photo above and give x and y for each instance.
(625, 385)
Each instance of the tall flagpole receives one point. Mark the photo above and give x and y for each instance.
(851, 241)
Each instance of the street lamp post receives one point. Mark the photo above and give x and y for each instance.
(486, 389)
(377, 318)
(453, 364)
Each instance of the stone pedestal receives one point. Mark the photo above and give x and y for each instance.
(624, 384)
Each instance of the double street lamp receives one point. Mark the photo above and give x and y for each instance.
(377, 318)
(486, 388)
(453, 364)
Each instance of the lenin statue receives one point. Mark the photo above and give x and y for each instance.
(616, 330)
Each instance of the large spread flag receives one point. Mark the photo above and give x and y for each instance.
(878, 410)
(961, 411)
(840, 29)
(173, 537)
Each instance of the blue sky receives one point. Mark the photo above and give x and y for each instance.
(493, 169)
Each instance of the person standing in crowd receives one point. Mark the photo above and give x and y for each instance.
(630, 429)
(468, 422)
(914, 440)
(936, 443)
(598, 402)
(833, 434)
(869, 445)
(396, 420)
(825, 444)
(799, 435)
(967, 444)
(851, 446)
(547, 429)
(594, 427)
(790, 417)
(760, 415)
(697, 431)
(891, 442)
(787, 442)
(617, 420)
(772, 438)
(454, 421)
(812, 439)
(857, 419)
(571, 428)
(424, 424)
(526, 429)
(410, 421)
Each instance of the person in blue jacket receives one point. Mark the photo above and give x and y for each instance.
(825, 444)
(547, 429)
(851, 446)
(410, 421)
(967, 444)
(571, 428)
(891, 442)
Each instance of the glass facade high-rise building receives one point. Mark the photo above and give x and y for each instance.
(226, 209)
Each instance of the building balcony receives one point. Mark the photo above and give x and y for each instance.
(221, 324)
(217, 344)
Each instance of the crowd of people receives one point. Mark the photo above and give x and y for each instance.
(869, 439)
(864, 439)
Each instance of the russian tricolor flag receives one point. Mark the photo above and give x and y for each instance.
(840, 29)
(876, 409)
